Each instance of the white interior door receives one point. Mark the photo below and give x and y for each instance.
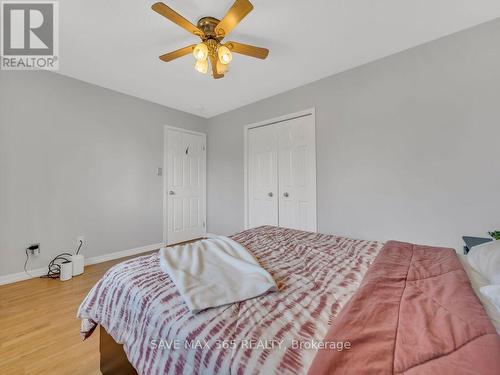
(262, 176)
(297, 173)
(185, 185)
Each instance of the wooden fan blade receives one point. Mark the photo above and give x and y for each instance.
(247, 49)
(233, 17)
(177, 53)
(213, 62)
(176, 18)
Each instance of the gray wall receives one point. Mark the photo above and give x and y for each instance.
(407, 146)
(78, 159)
(407, 149)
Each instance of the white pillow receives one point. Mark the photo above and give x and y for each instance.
(485, 259)
(493, 294)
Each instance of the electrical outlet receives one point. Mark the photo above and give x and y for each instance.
(34, 249)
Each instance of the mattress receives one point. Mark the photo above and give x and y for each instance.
(277, 333)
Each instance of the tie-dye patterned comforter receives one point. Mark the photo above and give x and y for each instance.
(277, 333)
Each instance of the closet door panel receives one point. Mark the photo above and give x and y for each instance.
(262, 176)
(297, 174)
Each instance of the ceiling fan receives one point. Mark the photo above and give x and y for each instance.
(211, 31)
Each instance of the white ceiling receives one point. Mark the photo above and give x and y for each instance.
(116, 44)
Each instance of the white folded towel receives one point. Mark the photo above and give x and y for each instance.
(214, 272)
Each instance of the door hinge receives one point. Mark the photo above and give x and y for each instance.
(203, 148)
(203, 224)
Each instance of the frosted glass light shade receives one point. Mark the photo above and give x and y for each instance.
(202, 66)
(200, 52)
(225, 55)
(222, 68)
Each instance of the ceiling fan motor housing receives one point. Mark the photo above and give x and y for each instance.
(207, 25)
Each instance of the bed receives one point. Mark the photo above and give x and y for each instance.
(324, 287)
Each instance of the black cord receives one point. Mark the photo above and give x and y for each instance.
(79, 247)
(26, 261)
(55, 264)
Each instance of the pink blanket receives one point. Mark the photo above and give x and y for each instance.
(317, 274)
(415, 313)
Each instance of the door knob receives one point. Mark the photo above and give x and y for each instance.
(171, 192)
(270, 194)
(286, 195)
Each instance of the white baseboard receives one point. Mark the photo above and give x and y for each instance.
(20, 276)
(122, 254)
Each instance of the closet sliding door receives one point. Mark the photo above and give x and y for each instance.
(281, 179)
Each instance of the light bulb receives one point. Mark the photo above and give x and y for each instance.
(225, 55)
(201, 66)
(200, 52)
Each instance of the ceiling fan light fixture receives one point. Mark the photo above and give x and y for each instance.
(225, 55)
(201, 66)
(212, 31)
(200, 52)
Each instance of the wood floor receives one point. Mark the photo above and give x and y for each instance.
(39, 332)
